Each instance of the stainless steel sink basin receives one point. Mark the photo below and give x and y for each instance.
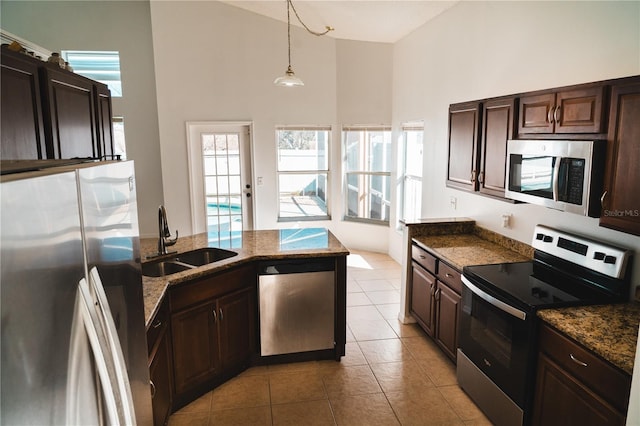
(205, 256)
(185, 261)
(166, 267)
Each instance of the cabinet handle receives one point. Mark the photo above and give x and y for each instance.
(448, 275)
(433, 288)
(437, 295)
(577, 361)
(473, 176)
(157, 324)
(153, 389)
(556, 114)
(550, 115)
(422, 256)
(604, 195)
(481, 177)
(215, 315)
(221, 315)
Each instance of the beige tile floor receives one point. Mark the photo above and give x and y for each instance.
(392, 374)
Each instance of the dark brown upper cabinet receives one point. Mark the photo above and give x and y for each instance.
(620, 205)
(51, 113)
(464, 121)
(580, 110)
(71, 110)
(497, 128)
(23, 135)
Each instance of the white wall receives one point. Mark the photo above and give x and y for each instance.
(124, 26)
(485, 49)
(215, 62)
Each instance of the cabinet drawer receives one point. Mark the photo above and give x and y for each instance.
(450, 276)
(601, 377)
(158, 323)
(199, 290)
(424, 259)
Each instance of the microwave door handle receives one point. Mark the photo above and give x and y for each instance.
(114, 346)
(493, 301)
(556, 174)
(106, 374)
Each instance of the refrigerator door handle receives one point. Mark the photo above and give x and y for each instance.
(86, 322)
(115, 349)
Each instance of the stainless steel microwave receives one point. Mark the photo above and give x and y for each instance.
(560, 174)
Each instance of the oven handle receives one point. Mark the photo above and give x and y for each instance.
(493, 301)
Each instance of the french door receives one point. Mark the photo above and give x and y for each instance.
(221, 182)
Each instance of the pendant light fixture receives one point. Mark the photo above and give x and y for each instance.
(289, 78)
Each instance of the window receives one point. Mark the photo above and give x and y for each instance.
(102, 66)
(411, 183)
(367, 156)
(119, 147)
(303, 173)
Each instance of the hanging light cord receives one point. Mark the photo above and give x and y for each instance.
(327, 28)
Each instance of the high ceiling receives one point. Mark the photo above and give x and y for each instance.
(365, 20)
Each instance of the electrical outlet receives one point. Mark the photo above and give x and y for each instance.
(506, 220)
(259, 181)
(453, 201)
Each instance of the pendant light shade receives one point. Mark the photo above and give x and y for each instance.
(289, 78)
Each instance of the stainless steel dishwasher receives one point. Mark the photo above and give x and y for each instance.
(297, 306)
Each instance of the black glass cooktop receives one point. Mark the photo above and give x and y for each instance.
(530, 286)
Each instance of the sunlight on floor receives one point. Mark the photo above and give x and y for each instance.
(357, 261)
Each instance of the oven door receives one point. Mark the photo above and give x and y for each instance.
(498, 339)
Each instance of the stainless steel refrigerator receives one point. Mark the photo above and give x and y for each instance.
(72, 312)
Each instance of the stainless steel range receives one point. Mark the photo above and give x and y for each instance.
(498, 324)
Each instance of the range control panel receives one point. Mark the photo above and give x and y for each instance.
(598, 256)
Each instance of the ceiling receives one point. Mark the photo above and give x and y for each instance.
(385, 21)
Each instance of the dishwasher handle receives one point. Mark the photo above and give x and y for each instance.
(296, 266)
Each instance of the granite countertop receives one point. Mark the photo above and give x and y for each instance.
(461, 250)
(250, 246)
(611, 331)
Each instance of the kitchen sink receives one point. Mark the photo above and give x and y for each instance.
(166, 267)
(205, 256)
(185, 261)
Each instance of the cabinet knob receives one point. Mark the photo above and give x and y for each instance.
(556, 114)
(577, 361)
(153, 389)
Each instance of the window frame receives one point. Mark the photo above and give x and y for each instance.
(115, 85)
(326, 172)
(405, 176)
(366, 174)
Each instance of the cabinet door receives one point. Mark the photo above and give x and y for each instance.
(104, 118)
(235, 316)
(447, 302)
(562, 400)
(579, 111)
(71, 112)
(160, 372)
(464, 120)
(423, 288)
(497, 129)
(536, 113)
(23, 136)
(621, 209)
(194, 333)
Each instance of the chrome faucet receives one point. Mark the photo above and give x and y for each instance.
(164, 235)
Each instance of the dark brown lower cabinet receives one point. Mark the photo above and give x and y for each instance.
(160, 372)
(422, 297)
(213, 327)
(435, 299)
(576, 387)
(447, 303)
(160, 365)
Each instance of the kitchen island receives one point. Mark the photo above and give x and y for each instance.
(204, 324)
